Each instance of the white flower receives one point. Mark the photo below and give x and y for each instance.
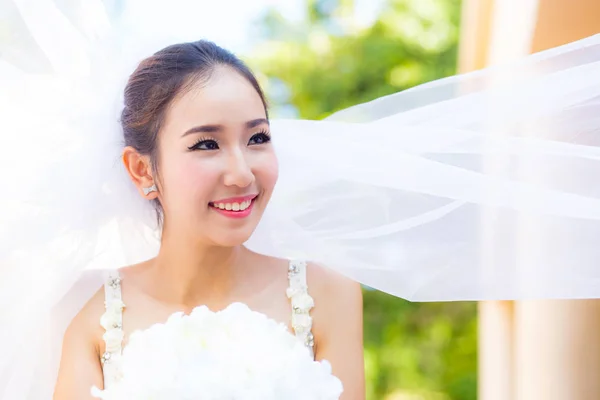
(303, 301)
(113, 339)
(234, 354)
(115, 306)
(301, 321)
(111, 317)
(292, 291)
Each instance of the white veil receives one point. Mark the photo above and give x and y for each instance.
(480, 186)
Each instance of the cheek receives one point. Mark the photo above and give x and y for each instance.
(267, 172)
(189, 179)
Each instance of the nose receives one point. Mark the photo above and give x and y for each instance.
(238, 171)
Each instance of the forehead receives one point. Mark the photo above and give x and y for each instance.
(226, 98)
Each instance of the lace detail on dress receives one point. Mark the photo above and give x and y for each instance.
(112, 319)
(112, 322)
(301, 304)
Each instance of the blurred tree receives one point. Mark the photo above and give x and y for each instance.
(332, 59)
(420, 348)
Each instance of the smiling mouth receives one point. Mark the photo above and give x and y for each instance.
(234, 207)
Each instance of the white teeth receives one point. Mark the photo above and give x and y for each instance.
(233, 206)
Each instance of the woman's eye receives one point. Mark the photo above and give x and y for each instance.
(205, 145)
(259, 138)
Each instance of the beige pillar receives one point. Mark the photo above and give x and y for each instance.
(534, 350)
(495, 317)
(492, 32)
(557, 343)
(495, 369)
(564, 21)
(557, 350)
(474, 34)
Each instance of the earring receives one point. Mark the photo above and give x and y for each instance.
(149, 190)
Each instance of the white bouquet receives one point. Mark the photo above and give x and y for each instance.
(234, 354)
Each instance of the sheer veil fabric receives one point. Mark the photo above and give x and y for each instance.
(474, 187)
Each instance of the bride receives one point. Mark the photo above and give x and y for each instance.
(475, 187)
(198, 146)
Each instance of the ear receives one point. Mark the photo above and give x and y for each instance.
(139, 168)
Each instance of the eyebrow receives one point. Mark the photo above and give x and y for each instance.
(218, 128)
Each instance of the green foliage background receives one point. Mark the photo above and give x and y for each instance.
(326, 62)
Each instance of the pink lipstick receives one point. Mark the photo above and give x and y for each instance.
(234, 207)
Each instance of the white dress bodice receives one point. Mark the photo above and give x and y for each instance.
(112, 319)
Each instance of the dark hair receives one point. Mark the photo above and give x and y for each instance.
(159, 79)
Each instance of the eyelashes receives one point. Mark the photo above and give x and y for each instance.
(205, 143)
(210, 143)
(261, 137)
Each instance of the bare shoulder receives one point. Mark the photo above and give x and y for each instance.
(338, 305)
(338, 326)
(266, 270)
(328, 287)
(80, 367)
(85, 327)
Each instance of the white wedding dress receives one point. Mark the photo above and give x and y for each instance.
(300, 319)
(116, 352)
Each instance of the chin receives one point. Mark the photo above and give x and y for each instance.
(231, 232)
(232, 237)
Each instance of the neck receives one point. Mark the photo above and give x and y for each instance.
(191, 274)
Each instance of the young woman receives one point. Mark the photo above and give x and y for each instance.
(198, 145)
(474, 187)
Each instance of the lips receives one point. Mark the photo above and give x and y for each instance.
(234, 206)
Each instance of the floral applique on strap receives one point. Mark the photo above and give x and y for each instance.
(112, 322)
(302, 303)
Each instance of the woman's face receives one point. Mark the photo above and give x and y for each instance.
(216, 163)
